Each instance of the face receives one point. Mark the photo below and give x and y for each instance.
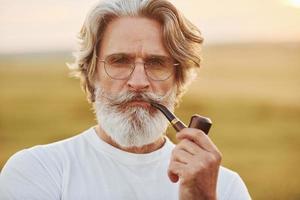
(121, 106)
(140, 39)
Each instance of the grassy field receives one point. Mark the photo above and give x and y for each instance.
(250, 91)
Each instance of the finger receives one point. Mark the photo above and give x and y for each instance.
(181, 156)
(198, 137)
(175, 170)
(188, 146)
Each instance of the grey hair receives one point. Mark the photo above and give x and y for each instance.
(180, 37)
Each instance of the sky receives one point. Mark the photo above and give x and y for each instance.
(52, 25)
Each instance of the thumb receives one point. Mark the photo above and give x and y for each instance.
(174, 170)
(173, 177)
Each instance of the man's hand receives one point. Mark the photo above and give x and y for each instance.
(195, 162)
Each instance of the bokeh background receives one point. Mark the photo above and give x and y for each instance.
(248, 84)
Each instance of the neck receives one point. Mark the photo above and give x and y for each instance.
(138, 150)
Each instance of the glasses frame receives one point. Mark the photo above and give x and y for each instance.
(134, 65)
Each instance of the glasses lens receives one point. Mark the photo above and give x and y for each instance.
(159, 69)
(118, 67)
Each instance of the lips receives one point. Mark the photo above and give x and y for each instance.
(137, 103)
(140, 103)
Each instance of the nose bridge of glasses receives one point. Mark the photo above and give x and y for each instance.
(139, 68)
(138, 78)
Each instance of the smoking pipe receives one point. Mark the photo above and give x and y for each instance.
(197, 121)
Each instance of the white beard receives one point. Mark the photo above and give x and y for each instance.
(134, 126)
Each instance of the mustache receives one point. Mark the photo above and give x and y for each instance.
(129, 96)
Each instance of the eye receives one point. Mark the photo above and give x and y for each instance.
(118, 60)
(154, 62)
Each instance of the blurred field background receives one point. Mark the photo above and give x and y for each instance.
(248, 84)
(250, 91)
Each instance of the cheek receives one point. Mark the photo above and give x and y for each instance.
(164, 86)
(108, 84)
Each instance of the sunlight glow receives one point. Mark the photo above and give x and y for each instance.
(294, 3)
(54, 24)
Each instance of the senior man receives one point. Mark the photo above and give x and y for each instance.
(131, 52)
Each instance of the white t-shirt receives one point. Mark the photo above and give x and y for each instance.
(84, 167)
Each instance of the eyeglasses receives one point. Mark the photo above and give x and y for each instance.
(121, 66)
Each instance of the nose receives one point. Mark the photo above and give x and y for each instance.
(138, 79)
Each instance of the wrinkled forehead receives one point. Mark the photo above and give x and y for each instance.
(137, 36)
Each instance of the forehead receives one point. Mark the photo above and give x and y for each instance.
(138, 36)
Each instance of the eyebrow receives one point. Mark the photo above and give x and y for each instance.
(131, 55)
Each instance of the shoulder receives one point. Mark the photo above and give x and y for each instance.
(50, 153)
(61, 150)
(231, 185)
(38, 170)
(25, 175)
